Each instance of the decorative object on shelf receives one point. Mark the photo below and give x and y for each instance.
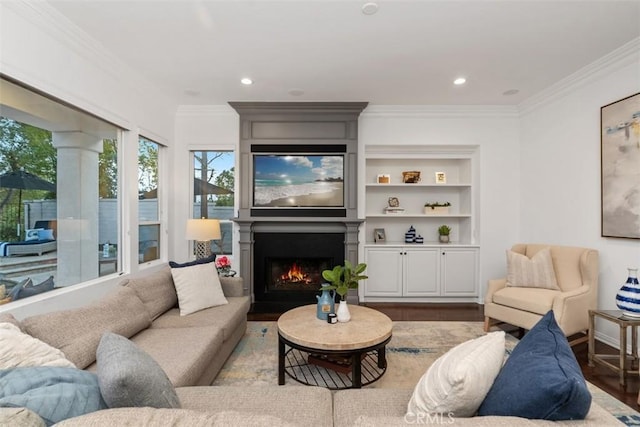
(223, 265)
(628, 297)
(384, 179)
(436, 208)
(443, 232)
(326, 302)
(343, 278)
(620, 142)
(379, 235)
(393, 206)
(441, 178)
(203, 231)
(411, 177)
(410, 235)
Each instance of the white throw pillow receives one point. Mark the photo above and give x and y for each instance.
(198, 287)
(458, 381)
(534, 272)
(18, 349)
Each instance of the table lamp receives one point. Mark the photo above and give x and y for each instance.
(202, 231)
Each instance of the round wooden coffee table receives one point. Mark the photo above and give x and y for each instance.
(336, 356)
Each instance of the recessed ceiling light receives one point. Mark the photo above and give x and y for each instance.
(369, 8)
(246, 81)
(510, 92)
(191, 92)
(460, 81)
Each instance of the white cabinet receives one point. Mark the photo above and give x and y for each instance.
(459, 272)
(420, 273)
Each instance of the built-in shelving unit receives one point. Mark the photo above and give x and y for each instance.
(421, 271)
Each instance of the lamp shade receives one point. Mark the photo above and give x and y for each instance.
(203, 229)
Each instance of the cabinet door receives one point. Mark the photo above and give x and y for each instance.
(384, 268)
(421, 272)
(459, 272)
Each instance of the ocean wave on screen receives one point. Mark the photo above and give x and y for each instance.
(267, 194)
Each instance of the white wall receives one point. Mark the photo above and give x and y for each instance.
(42, 49)
(210, 127)
(495, 131)
(560, 160)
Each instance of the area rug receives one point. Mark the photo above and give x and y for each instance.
(412, 349)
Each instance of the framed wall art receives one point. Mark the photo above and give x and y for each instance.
(620, 164)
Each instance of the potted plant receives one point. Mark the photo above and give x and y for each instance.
(444, 231)
(343, 278)
(436, 208)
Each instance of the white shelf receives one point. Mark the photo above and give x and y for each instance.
(402, 185)
(421, 216)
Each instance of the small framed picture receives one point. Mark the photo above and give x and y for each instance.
(384, 179)
(378, 235)
(441, 178)
(394, 202)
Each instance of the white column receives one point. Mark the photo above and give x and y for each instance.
(77, 182)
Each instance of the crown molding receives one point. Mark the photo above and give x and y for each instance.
(440, 111)
(205, 110)
(625, 55)
(49, 20)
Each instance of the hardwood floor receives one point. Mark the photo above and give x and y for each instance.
(604, 378)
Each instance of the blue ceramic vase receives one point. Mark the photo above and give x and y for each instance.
(326, 303)
(628, 297)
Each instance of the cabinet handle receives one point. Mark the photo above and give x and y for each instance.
(443, 253)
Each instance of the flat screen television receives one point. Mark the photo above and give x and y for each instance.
(298, 180)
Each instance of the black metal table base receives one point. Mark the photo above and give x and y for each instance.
(364, 366)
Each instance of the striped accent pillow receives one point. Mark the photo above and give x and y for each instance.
(534, 272)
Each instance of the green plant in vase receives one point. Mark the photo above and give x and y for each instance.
(444, 231)
(343, 278)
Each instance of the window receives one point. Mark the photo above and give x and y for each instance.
(148, 206)
(213, 198)
(58, 174)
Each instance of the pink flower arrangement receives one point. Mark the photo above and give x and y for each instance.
(223, 263)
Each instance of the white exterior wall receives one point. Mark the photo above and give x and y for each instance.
(42, 49)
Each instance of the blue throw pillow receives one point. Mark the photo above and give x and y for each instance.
(31, 234)
(541, 379)
(45, 234)
(206, 260)
(54, 393)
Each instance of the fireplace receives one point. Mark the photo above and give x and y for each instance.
(288, 267)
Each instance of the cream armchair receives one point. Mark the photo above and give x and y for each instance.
(576, 271)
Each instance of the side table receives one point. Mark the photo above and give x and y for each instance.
(623, 366)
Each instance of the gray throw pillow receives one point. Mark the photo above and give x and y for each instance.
(129, 377)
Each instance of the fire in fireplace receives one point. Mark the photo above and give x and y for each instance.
(295, 273)
(288, 266)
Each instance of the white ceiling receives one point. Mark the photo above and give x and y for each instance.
(409, 52)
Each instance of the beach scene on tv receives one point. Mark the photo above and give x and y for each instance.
(298, 181)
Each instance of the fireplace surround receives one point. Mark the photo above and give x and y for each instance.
(295, 128)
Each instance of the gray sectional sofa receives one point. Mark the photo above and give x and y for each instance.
(192, 349)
